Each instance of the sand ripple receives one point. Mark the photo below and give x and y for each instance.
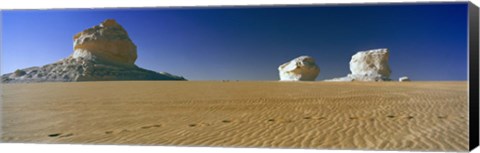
(387, 116)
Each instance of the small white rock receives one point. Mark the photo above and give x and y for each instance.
(302, 68)
(403, 79)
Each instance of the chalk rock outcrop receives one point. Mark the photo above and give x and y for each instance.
(371, 65)
(403, 79)
(107, 42)
(101, 53)
(302, 68)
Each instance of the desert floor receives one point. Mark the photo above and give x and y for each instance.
(319, 115)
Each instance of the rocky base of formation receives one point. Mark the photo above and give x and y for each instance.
(352, 77)
(80, 69)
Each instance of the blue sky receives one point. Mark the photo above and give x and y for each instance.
(426, 41)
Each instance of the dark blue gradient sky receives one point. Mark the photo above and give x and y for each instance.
(426, 41)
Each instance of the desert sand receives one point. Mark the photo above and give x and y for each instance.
(316, 115)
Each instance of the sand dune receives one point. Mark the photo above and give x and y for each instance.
(321, 115)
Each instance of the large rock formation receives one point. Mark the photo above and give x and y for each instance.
(107, 42)
(371, 65)
(102, 53)
(302, 68)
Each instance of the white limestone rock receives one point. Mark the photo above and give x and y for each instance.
(403, 79)
(302, 68)
(371, 65)
(107, 42)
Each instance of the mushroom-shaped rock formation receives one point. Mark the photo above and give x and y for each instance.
(302, 68)
(371, 65)
(403, 79)
(101, 53)
(107, 42)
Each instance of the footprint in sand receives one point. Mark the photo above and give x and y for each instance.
(315, 118)
(125, 130)
(143, 127)
(150, 126)
(60, 135)
(226, 121)
(281, 120)
(391, 116)
(54, 135)
(442, 117)
(410, 117)
(122, 131)
(353, 118)
(199, 125)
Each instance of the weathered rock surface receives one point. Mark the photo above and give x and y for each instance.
(79, 69)
(371, 65)
(101, 53)
(403, 79)
(107, 42)
(302, 68)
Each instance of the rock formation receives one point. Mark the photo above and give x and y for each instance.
(107, 42)
(371, 65)
(101, 53)
(403, 79)
(302, 68)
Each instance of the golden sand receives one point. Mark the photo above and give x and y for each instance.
(321, 115)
